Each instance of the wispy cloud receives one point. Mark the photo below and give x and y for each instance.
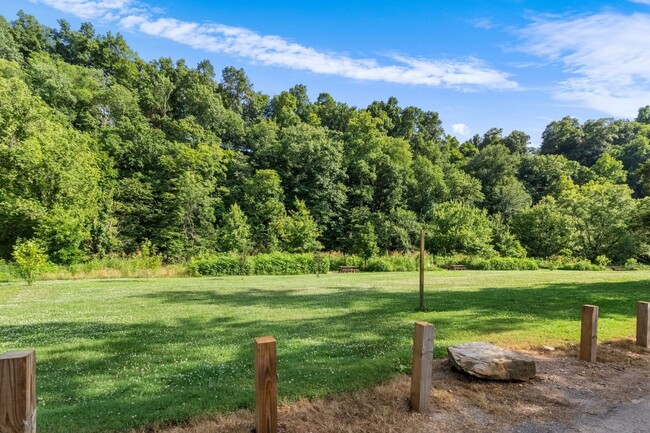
(463, 74)
(643, 2)
(485, 23)
(88, 9)
(606, 55)
(461, 129)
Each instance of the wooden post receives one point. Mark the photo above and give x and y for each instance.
(18, 392)
(266, 386)
(422, 270)
(589, 333)
(421, 366)
(643, 324)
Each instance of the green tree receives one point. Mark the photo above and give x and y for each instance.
(509, 197)
(562, 137)
(49, 175)
(517, 142)
(544, 175)
(504, 240)
(262, 202)
(601, 216)
(297, 232)
(428, 187)
(459, 228)
(644, 115)
(364, 241)
(544, 230)
(609, 169)
(30, 258)
(235, 233)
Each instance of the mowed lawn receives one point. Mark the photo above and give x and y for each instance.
(116, 354)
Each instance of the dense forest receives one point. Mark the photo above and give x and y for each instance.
(102, 152)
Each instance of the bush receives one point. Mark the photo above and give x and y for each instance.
(632, 264)
(489, 264)
(395, 262)
(508, 264)
(602, 260)
(30, 259)
(337, 259)
(6, 271)
(211, 264)
(261, 264)
(580, 265)
(378, 264)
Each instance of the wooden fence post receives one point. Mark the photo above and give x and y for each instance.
(266, 386)
(422, 270)
(643, 324)
(589, 333)
(18, 392)
(421, 366)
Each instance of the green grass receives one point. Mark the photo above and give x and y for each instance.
(115, 354)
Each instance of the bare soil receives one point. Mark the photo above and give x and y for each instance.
(568, 395)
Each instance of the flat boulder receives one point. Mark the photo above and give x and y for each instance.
(488, 361)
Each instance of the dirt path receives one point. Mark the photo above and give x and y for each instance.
(568, 395)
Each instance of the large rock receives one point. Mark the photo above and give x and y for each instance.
(488, 361)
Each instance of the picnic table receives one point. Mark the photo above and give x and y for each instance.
(346, 269)
(457, 267)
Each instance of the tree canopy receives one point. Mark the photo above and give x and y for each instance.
(101, 151)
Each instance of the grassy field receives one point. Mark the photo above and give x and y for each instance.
(114, 354)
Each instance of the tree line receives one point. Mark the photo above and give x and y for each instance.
(102, 152)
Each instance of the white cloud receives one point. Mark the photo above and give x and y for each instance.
(466, 74)
(606, 54)
(91, 8)
(485, 23)
(461, 129)
(643, 2)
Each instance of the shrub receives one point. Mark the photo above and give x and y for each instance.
(337, 259)
(580, 265)
(632, 264)
(602, 260)
(30, 259)
(147, 258)
(6, 271)
(378, 264)
(261, 264)
(211, 264)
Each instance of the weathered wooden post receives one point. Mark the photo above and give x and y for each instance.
(266, 386)
(589, 333)
(643, 324)
(421, 366)
(422, 270)
(18, 392)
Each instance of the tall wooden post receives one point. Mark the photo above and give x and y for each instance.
(421, 366)
(422, 270)
(643, 324)
(266, 386)
(589, 333)
(18, 392)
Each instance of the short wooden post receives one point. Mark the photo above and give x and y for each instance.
(422, 270)
(643, 324)
(18, 392)
(421, 367)
(266, 386)
(589, 333)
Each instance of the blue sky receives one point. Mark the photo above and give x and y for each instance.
(480, 64)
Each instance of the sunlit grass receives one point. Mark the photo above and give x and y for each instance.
(115, 354)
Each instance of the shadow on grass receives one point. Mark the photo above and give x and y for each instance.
(112, 376)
